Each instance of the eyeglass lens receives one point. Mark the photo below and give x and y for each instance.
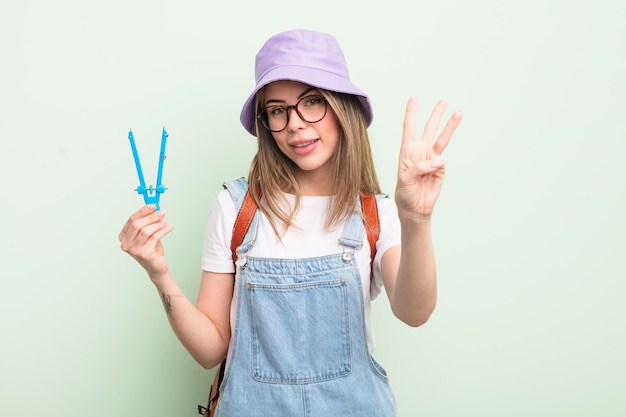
(311, 109)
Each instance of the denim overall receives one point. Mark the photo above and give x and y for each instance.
(299, 347)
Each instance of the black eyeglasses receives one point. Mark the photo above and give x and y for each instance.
(311, 109)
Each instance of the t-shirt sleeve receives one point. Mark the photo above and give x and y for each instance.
(216, 255)
(388, 238)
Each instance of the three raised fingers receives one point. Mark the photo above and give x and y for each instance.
(432, 125)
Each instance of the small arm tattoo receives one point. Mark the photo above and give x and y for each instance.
(167, 304)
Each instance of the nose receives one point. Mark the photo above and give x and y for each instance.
(294, 122)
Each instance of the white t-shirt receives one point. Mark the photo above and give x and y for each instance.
(306, 240)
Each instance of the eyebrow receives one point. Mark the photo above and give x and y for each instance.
(302, 94)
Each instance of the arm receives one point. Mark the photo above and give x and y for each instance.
(409, 271)
(204, 329)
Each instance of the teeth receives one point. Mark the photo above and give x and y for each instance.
(302, 145)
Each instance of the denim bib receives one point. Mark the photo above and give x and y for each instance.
(299, 346)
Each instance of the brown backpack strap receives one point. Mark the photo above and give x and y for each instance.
(369, 206)
(214, 393)
(242, 223)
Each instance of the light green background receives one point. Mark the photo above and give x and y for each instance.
(529, 230)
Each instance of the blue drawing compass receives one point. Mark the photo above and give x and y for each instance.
(151, 195)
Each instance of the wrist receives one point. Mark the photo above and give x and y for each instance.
(410, 218)
(159, 277)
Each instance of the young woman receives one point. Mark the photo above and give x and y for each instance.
(292, 315)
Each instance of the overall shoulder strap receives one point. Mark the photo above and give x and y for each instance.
(246, 207)
(242, 223)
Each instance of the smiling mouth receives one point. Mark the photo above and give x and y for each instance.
(302, 145)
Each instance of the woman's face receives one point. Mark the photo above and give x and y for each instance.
(309, 145)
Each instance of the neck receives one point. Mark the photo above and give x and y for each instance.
(313, 183)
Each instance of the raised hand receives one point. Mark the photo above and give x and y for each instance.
(421, 168)
(141, 238)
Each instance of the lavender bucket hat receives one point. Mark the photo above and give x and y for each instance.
(306, 56)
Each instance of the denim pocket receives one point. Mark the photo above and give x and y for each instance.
(300, 331)
(378, 369)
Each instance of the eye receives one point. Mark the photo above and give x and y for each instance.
(312, 101)
(275, 111)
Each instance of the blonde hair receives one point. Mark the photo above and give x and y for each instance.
(271, 173)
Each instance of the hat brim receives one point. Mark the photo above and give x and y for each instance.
(310, 76)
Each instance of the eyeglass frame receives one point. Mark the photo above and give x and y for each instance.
(265, 122)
